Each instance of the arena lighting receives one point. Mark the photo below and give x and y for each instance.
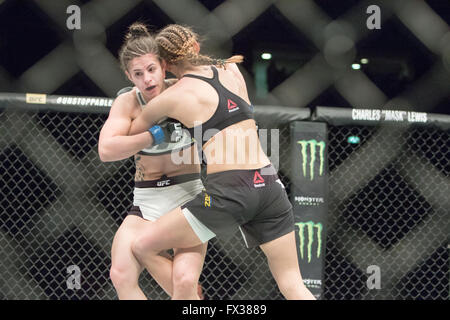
(356, 66)
(266, 56)
(364, 61)
(353, 140)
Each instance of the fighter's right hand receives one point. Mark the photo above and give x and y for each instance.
(170, 132)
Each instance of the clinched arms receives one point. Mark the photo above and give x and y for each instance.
(116, 142)
(167, 132)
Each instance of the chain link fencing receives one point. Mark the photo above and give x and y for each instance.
(61, 206)
(389, 210)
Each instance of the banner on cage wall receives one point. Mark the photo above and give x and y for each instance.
(309, 196)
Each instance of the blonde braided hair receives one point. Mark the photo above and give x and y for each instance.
(176, 43)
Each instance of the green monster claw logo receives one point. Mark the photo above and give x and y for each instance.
(310, 229)
(312, 148)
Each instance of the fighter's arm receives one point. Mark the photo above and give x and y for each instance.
(114, 143)
(155, 110)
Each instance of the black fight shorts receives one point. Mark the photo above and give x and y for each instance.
(254, 201)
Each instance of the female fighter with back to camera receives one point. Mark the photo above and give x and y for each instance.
(160, 185)
(239, 194)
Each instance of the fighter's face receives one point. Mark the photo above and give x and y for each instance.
(147, 73)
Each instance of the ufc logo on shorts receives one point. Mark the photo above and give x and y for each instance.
(163, 183)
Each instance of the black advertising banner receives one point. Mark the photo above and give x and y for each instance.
(375, 117)
(309, 195)
(45, 102)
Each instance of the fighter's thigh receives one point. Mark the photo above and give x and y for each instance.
(281, 253)
(124, 237)
(172, 230)
(190, 259)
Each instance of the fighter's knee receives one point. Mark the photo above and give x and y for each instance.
(142, 245)
(137, 246)
(120, 277)
(184, 281)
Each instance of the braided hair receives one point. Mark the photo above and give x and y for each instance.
(176, 43)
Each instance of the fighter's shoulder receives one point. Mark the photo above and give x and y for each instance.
(125, 104)
(233, 67)
(172, 94)
(127, 99)
(186, 86)
(170, 82)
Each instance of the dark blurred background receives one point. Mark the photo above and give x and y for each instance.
(61, 206)
(316, 48)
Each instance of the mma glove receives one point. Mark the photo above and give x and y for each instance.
(170, 132)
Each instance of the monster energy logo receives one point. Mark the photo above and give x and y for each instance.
(312, 148)
(309, 243)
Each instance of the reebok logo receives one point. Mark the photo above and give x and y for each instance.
(232, 106)
(258, 181)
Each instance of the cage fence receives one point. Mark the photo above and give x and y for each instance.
(61, 206)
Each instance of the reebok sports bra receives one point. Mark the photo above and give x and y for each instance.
(231, 108)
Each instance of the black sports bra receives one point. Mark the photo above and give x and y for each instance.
(231, 108)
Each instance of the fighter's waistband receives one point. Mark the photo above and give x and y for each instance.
(166, 181)
(252, 178)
